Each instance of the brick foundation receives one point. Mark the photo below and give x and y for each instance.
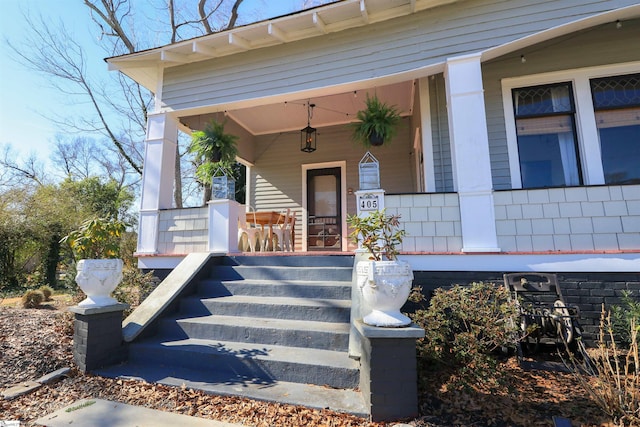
(388, 371)
(588, 291)
(97, 336)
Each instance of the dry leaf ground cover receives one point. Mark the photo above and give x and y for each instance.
(34, 342)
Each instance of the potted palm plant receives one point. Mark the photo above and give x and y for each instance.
(378, 123)
(385, 281)
(96, 248)
(215, 152)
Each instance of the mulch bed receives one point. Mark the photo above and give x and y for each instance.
(35, 342)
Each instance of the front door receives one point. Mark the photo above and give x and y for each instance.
(324, 223)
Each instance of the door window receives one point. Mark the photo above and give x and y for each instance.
(324, 210)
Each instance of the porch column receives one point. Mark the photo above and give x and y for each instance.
(428, 163)
(470, 153)
(157, 178)
(223, 225)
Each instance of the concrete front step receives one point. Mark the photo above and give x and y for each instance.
(255, 363)
(313, 396)
(296, 333)
(290, 260)
(282, 288)
(278, 273)
(276, 320)
(311, 309)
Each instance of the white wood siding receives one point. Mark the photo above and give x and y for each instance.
(377, 50)
(599, 46)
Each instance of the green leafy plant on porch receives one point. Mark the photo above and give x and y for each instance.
(96, 238)
(380, 234)
(214, 150)
(377, 124)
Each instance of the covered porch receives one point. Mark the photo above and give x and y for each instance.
(452, 171)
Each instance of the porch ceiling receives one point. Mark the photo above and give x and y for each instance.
(329, 109)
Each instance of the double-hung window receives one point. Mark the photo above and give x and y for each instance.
(574, 127)
(546, 136)
(616, 102)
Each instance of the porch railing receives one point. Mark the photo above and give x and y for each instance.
(183, 231)
(601, 218)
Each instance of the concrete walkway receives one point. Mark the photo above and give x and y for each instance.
(104, 413)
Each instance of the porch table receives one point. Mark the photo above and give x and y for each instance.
(265, 219)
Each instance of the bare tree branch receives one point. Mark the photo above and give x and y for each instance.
(204, 17)
(31, 169)
(56, 54)
(234, 15)
(110, 17)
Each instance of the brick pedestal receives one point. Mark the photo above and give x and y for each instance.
(97, 337)
(388, 371)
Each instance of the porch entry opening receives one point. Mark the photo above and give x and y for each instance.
(324, 222)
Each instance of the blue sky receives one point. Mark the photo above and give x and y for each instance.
(26, 98)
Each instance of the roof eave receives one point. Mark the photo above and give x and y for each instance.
(145, 67)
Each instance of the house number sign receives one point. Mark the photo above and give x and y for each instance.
(369, 202)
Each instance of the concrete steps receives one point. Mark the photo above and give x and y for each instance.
(220, 383)
(295, 333)
(325, 310)
(269, 320)
(281, 288)
(255, 363)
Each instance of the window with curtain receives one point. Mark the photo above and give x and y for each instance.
(616, 101)
(546, 134)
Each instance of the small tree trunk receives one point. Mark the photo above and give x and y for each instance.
(177, 189)
(51, 260)
(207, 194)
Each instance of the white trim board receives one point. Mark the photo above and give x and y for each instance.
(343, 198)
(585, 117)
(591, 263)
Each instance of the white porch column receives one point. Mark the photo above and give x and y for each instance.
(470, 153)
(223, 225)
(157, 178)
(428, 163)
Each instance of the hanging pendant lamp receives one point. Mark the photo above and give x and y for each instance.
(308, 135)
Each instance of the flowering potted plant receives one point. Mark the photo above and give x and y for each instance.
(96, 247)
(385, 282)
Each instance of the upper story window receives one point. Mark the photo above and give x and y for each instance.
(616, 101)
(546, 136)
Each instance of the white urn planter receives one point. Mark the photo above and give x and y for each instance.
(385, 287)
(98, 278)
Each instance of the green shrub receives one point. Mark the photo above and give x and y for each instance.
(134, 287)
(32, 299)
(47, 291)
(622, 317)
(465, 326)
